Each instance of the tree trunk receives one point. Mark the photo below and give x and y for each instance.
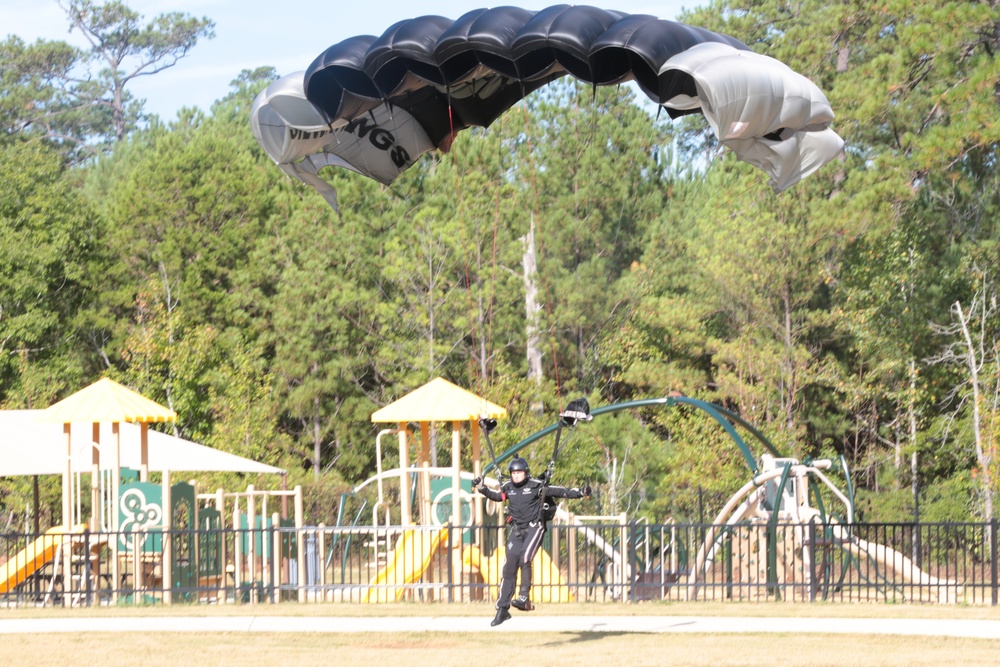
(982, 457)
(531, 307)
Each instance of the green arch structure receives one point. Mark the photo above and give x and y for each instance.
(720, 414)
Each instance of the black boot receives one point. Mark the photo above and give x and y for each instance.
(502, 615)
(522, 602)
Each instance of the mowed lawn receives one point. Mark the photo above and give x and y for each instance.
(446, 649)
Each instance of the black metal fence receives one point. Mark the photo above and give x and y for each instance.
(593, 561)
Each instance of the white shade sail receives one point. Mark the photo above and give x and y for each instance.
(30, 446)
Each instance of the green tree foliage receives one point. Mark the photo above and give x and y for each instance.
(595, 183)
(49, 250)
(321, 357)
(189, 212)
(78, 99)
(122, 49)
(915, 97)
(35, 96)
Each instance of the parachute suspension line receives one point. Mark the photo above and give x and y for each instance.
(551, 468)
(555, 455)
(607, 454)
(451, 122)
(487, 424)
(549, 471)
(493, 260)
(541, 252)
(472, 370)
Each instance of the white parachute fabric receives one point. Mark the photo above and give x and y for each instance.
(287, 125)
(769, 115)
(307, 171)
(381, 144)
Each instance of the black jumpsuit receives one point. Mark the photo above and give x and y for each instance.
(526, 529)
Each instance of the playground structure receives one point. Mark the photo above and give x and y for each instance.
(421, 560)
(778, 545)
(412, 562)
(47, 548)
(209, 546)
(437, 540)
(773, 539)
(142, 542)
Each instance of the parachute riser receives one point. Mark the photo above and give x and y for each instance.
(550, 469)
(485, 427)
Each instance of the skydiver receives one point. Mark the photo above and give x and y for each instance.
(525, 497)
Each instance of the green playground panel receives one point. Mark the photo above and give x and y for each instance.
(263, 538)
(441, 490)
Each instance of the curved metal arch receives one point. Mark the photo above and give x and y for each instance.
(717, 412)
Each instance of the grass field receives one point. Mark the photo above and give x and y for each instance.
(485, 609)
(447, 649)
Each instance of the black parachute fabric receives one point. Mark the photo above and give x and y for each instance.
(375, 104)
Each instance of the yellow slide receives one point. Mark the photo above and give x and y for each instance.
(547, 582)
(33, 557)
(407, 562)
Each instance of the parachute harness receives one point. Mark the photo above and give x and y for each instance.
(577, 411)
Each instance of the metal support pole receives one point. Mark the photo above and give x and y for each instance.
(633, 575)
(812, 561)
(451, 568)
(300, 546)
(167, 553)
(993, 560)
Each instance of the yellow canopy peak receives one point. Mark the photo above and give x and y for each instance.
(438, 400)
(107, 401)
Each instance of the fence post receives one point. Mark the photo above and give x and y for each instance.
(993, 559)
(812, 561)
(634, 578)
(274, 592)
(451, 567)
(167, 548)
(85, 564)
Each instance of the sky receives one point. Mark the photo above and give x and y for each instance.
(252, 33)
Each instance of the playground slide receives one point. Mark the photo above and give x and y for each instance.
(547, 582)
(33, 557)
(901, 565)
(407, 562)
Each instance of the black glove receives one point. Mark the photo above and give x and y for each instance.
(585, 490)
(477, 482)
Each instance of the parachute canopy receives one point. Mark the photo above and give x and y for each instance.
(376, 104)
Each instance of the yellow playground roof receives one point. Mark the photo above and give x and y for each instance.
(107, 401)
(438, 400)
